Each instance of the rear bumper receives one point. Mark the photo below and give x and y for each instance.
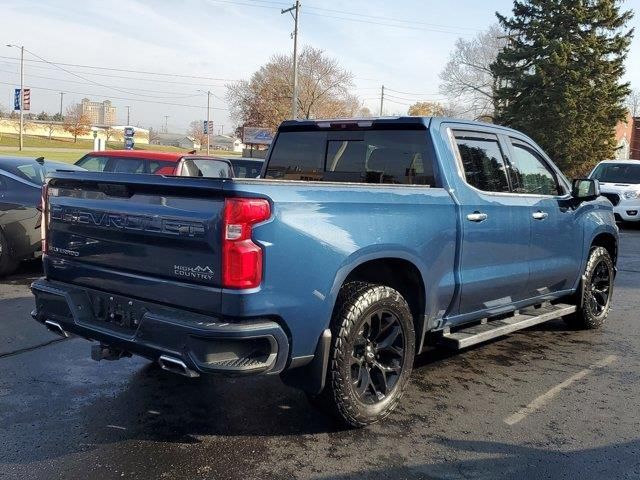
(203, 343)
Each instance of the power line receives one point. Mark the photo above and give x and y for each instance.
(142, 72)
(415, 94)
(121, 98)
(88, 83)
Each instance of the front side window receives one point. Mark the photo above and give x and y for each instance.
(529, 173)
(482, 161)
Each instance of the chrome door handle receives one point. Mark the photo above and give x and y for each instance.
(540, 215)
(477, 217)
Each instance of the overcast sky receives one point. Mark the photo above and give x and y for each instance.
(402, 44)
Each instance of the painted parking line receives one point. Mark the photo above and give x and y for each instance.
(546, 397)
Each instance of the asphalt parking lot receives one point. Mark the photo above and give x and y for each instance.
(548, 402)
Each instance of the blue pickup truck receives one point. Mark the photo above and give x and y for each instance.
(364, 243)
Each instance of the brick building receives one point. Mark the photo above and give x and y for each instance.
(99, 113)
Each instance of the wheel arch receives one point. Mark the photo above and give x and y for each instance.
(608, 241)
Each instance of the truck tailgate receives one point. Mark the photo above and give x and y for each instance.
(161, 228)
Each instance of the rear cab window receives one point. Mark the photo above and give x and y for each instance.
(379, 156)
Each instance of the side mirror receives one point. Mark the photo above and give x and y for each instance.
(585, 189)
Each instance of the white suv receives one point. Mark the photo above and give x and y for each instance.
(620, 183)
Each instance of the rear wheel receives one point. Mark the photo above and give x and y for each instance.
(372, 354)
(7, 263)
(596, 290)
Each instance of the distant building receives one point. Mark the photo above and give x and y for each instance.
(635, 139)
(99, 113)
(226, 142)
(175, 140)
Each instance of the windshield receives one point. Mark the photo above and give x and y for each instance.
(246, 168)
(617, 173)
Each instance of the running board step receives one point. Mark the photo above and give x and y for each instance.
(478, 333)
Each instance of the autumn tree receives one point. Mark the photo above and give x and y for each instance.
(324, 90)
(76, 122)
(196, 131)
(426, 109)
(560, 77)
(467, 79)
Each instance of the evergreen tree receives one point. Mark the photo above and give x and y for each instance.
(559, 77)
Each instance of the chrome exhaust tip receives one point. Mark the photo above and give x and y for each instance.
(55, 328)
(175, 365)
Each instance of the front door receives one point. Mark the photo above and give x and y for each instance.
(493, 259)
(556, 244)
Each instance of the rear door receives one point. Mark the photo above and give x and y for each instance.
(494, 268)
(555, 253)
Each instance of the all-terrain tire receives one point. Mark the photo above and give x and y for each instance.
(595, 292)
(357, 305)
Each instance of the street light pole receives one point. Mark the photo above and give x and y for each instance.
(128, 121)
(61, 95)
(294, 100)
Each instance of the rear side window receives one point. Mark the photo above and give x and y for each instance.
(93, 164)
(158, 167)
(127, 165)
(369, 156)
(482, 161)
(205, 168)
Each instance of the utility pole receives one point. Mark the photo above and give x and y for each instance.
(21, 94)
(382, 100)
(61, 95)
(166, 117)
(128, 118)
(208, 119)
(294, 100)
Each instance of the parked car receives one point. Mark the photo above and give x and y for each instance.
(244, 167)
(20, 197)
(383, 236)
(156, 163)
(620, 183)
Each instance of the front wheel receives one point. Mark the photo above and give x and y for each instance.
(596, 291)
(372, 354)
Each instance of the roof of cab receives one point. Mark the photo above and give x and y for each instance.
(143, 154)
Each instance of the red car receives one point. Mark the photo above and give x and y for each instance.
(156, 163)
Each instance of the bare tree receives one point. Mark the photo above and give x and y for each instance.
(75, 122)
(467, 79)
(265, 99)
(633, 102)
(51, 126)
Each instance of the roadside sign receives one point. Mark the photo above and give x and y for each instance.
(128, 143)
(16, 100)
(257, 136)
(208, 127)
(26, 99)
(129, 132)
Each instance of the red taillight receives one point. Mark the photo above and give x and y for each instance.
(241, 258)
(45, 220)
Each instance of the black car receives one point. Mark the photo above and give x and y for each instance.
(244, 167)
(21, 180)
